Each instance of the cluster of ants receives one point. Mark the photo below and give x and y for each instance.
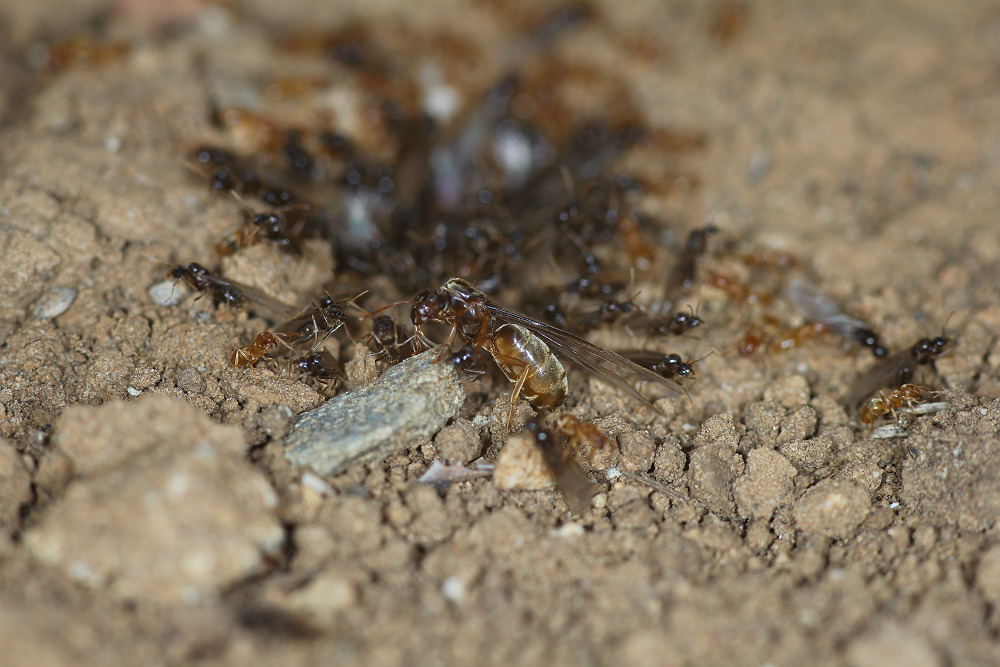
(477, 199)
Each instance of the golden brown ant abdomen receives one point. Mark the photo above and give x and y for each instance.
(517, 352)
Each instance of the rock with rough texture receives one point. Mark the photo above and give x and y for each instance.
(833, 508)
(715, 464)
(401, 409)
(637, 451)
(521, 465)
(177, 520)
(96, 443)
(765, 485)
(952, 478)
(15, 486)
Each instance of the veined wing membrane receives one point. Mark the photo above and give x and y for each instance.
(605, 364)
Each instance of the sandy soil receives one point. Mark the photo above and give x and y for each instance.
(148, 513)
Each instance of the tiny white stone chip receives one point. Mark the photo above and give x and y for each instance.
(166, 293)
(54, 303)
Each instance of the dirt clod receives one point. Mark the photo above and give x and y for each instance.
(832, 508)
(521, 466)
(15, 486)
(765, 485)
(175, 515)
(637, 450)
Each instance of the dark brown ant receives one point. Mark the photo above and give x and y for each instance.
(608, 312)
(227, 173)
(572, 482)
(222, 290)
(468, 360)
(898, 368)
(668, 365)
(285, 228)
(677, 324)
(386, 337)
(307, 330)
(819, 307)
(318, 364)
(684, 269)
(314, 324)
(520, 345)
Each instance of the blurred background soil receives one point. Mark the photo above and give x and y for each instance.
(148, 514)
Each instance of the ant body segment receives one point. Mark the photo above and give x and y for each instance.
(248, 355)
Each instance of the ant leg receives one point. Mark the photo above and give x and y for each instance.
(448, 343)
(506, 364)
(518, 385)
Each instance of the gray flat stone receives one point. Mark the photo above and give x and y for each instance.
(403, 408)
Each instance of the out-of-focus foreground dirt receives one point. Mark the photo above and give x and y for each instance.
(148, 514)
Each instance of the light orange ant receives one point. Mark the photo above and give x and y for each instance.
(248, 355)
(889, 401)
(579, 435)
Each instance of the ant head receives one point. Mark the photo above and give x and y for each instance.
(384, 328)
(427, 306)
(314, 362)
(927, 349)
(466, 358)
(938, 344)
(679, 367)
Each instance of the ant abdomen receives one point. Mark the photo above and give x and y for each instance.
(525, 358)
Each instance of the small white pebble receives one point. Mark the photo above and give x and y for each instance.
(113, 144)
(317, 484)
(453, 588)
(600, 500)
(53, 303)
(165, 293)
(132, 391)
(568, 530)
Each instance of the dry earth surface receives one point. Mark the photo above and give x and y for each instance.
(149, 515)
